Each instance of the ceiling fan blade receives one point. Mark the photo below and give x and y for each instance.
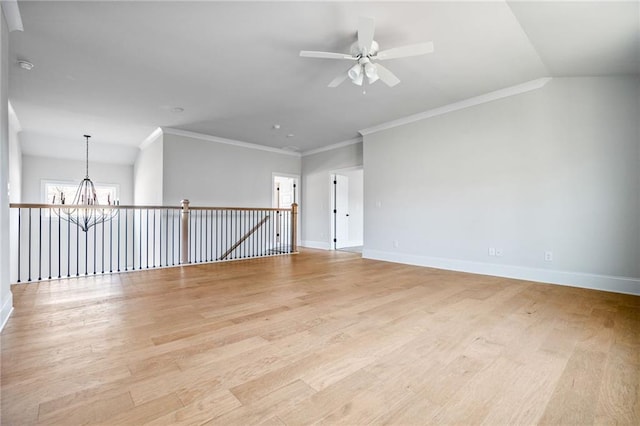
(366, 27)
(338, 80)
(324, 55)
(405, 51)
(387, 76)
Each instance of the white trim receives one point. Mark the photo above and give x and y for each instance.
(153, 136)
(6, 311)
(188, 134)
(297, 197)
(350, 243)
(347, 170)
(289, 175)
(332, 218)
(321, 245)
(477, 100)
(572, 279)
(333, 146)
(12, 15)
(13, 117)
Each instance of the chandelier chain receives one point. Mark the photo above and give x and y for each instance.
(87, 162)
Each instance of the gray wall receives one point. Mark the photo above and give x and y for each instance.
(35, 169)
(148, 176)
(6, 299)
(15, 160)
(210, 173)
(356, 206)
(556, 169)
(316, 191)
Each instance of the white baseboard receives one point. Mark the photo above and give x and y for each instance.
(573, 279)
(322, 245)
(351, 244)
(7, 309)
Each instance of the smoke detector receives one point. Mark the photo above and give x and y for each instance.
(25, 65)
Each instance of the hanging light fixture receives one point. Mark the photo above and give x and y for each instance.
(371, 72)
(355, 74)
(364, 68)
(84, 211)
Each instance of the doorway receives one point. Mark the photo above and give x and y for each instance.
(284, 193)
(285, 190)
(347, 212)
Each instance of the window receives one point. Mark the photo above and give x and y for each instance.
(51, 189)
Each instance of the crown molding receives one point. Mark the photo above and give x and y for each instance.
(333, 146)
(150, 139)
(14, 118)
(12, 15)
(188, 134)
(456, 106)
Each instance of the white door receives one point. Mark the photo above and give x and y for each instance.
(341, 211)
(284, 191)
(284, 194)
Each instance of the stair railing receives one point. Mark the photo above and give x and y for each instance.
(44, 246)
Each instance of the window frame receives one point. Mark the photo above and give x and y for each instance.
(46, 183)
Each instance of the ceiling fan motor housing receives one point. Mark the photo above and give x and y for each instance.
(355, 49)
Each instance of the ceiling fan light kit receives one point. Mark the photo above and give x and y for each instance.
(366, 50)
(371, 72)
(355, 73)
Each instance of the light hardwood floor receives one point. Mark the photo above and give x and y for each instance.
(318, 337)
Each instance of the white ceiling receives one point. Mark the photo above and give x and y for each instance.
(116, 69)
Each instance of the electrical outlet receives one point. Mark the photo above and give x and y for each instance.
(396, 244)
(492, 251)
(548, 256)
(499, 252)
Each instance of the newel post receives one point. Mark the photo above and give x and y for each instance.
(184, 240)
(294, 229)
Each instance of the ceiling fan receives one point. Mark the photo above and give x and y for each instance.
(365, 51)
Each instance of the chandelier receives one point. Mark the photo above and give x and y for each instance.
(85, 210)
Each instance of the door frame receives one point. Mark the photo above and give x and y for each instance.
(296, 196)
(332, 218)
(297, 190)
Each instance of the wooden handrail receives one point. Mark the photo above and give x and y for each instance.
(129, 207)
(248, 209)
(88, 207)
(244, 237)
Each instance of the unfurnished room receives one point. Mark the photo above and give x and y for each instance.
(320, 212)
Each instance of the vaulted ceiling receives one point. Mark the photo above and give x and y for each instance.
(118, 70)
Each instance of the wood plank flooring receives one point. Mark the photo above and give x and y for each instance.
(319, 337)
